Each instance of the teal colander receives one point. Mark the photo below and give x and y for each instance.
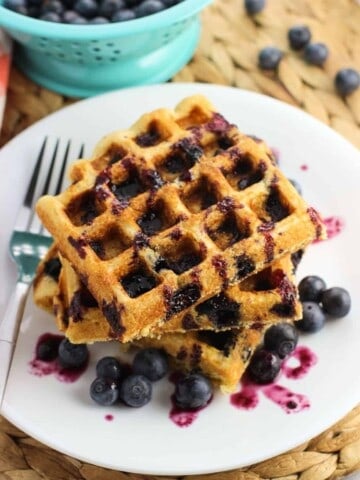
(84, 60)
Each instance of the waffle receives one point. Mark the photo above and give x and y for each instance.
(266, 298)
(45, 285)
(221, 356)
(166, 215)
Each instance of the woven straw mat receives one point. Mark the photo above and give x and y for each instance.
(227, 55)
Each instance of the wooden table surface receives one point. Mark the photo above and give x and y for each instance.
(227, 55)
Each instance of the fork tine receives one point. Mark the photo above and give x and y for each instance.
(29, 197)
(50, 171)
(62, 170)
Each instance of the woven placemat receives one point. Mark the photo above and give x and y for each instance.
(227, 55)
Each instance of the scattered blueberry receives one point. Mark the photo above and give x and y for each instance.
(73, 17)
(109, 367)
(296, 185)
(136, 390)
(54, 6)
(311, 288)
(18, 6)
(107, 8)
(336, 302)
(72, 355)
(316, 53)
(264, 366)
(313, 318)
(152, 363)
(281, 339)
(98, 21)
(47, 349)
(347, 80)
(299, 36)
(104, 391)
(269, 58)
(149, 7)
(193, 391)
(50, 17)
(254, 6)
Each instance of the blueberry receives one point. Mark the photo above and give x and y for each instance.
(107, 8)
(86, 8)
(18, 6)
(148, 7)
(336, 302)
(132, 3)
(296, 185)
(136, 390)
(299, 36)
(73, 17)
(54, 6)
(51, 17)
(311, 288)
(109, 367)
(254, 6)
(281, 339)
(316, 53)
(269, 58)
(313, 318)
(193, 391)
(104, 391)
(170, 3)
(151, 362)
(72, 355)
(98, 21)
(47, 349)
(123, 15)
(264, 366)
(347, 80)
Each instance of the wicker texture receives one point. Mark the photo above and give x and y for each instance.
(227, 55)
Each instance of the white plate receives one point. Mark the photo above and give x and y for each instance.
(222, 437)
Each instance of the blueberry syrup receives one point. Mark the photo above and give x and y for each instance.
(334, 226)
(41, 368)
(247, 397)
(109, 417)
(304, 167)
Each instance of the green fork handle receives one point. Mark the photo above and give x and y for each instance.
(9, 329)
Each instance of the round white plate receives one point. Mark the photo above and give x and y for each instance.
(222, 437)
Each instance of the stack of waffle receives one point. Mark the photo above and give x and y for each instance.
(179, 233)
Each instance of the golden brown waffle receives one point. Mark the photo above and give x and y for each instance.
(221, 356)
(265, 298)
(45, 285)
(167, 214)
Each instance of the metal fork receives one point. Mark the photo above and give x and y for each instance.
(29, 243)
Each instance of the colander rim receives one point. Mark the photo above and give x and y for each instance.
(42, 28)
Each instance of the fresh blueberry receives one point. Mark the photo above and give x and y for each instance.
(132, 3)
(296, 185)
(86, 8)
(151, 362)
(98, 21)
(53, 6)
(254, 6)
(269, 58)
(73, 17)
(148, 7)
(193, 391)
(123, 15)
(299, 36)
(281, 339)
(311, 288)
(109, 367)
(136, 390)
(264, 366)
(51, 17)
(107, 8)
(18, 6)
(313, 318)
(104, 391)
(47, 349)
(72, 355)
(316, 53)
(336, 302)
(171, 3)
(347, 80)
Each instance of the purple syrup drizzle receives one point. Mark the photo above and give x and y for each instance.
(304, 167)
(41, 368)
(247, 397)
(334, 226)
(109, 418)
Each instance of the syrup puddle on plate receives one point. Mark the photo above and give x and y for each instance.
(248, 396)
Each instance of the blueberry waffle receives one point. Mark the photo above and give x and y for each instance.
(166, 215)
(265, 297)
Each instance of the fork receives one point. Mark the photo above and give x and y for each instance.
(29, 243)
